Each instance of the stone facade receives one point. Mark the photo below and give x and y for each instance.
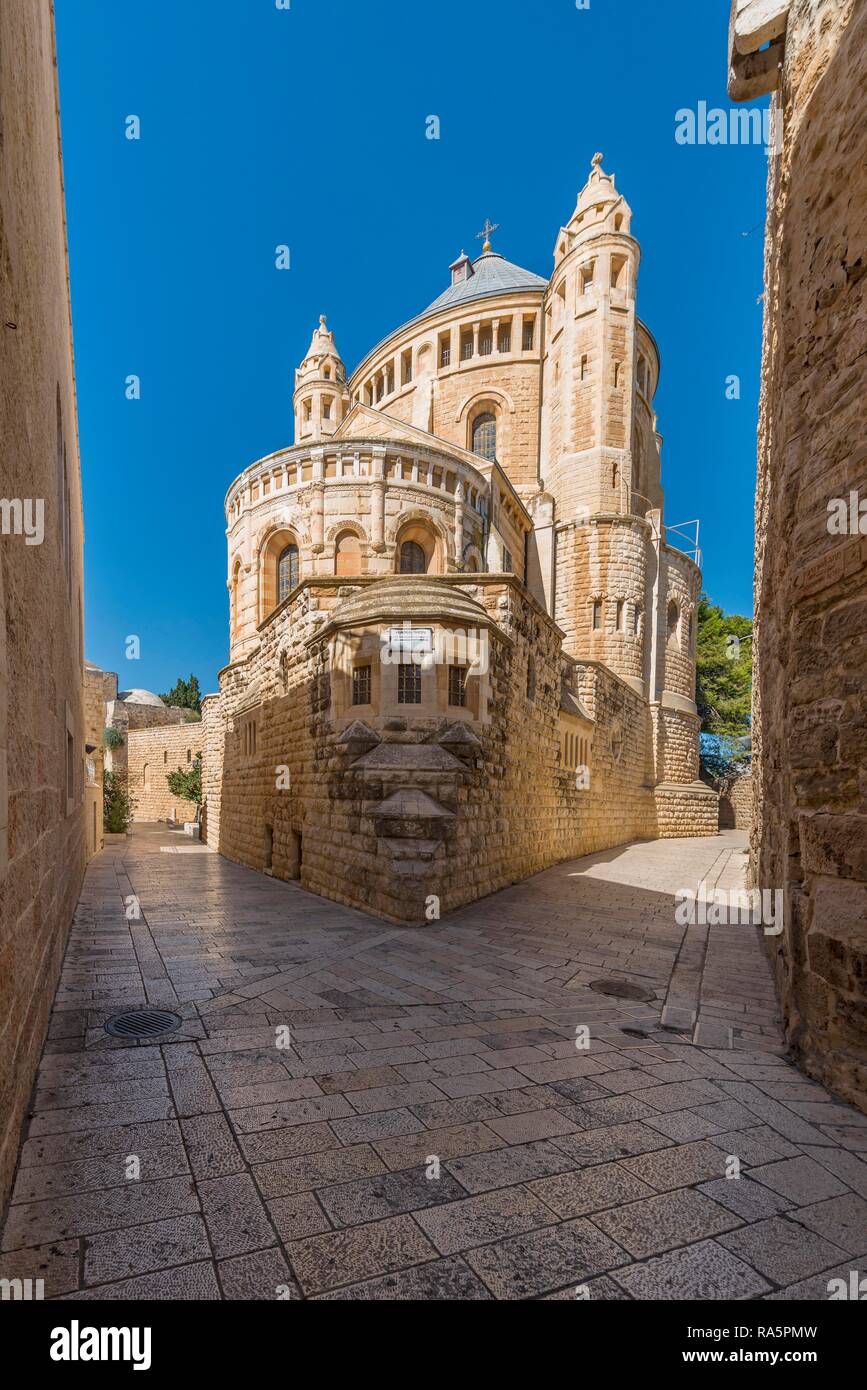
(94, 762)
(810, 716)
(151, 755)
(489, 473)
(736, 804)
(129, 711)
(42, 729)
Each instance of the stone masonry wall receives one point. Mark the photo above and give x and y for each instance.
(736, 804)
(42, 766)
(810, 713)
(290, 799)
(152, 754)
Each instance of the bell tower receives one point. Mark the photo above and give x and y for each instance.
(321, 398)
(590, 352)
(588, 437)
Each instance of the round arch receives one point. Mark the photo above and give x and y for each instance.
(279, 570)
(419, 530)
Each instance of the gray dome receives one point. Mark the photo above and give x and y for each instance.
(140, 697)
(492, 275)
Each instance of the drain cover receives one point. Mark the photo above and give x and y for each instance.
(142, 1023)
(622, 989)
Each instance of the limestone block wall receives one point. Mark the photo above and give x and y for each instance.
(42, 761)
(127, 718)
(152, 754)
(678, 744)
(678, 621)
(736, 804)
(94, 762)
(810, 714)
(379, 493)
(605, 561)
(442, 397)
(289, 790)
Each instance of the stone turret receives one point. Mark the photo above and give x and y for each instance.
(321, 398)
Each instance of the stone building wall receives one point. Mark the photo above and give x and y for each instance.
(736, 804)
(94, 763)
(152, 754)
(289, 791)
(128, 718)
(605, 561)
(442, 398)
(810, 714)
(42, 761)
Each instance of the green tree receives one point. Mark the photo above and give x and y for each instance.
(186, 783)
(723, 686)
(186, 694)
(117, 804)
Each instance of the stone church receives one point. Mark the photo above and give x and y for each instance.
(462, 647)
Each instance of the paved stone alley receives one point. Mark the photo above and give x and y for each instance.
(432, 1132)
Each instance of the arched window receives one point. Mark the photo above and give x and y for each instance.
(485, 436)
(673, 619)
(287, 572)
(347, 554)
(412, 558)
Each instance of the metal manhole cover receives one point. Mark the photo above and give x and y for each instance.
(622, 989)
(142, 1023)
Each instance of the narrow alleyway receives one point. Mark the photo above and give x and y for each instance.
(431, 1130)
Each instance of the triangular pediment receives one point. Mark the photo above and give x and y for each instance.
(363, 422)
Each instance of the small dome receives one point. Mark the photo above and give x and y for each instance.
(140, 697)
(409, 597)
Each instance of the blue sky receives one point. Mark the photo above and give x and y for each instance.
(306, 127)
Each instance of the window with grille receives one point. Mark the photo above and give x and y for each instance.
(504, 340)
(486, 344)
(446, 355)
(597, 614)
(361, 685)
(466, 347)
(457, 686)
(412, 558)
(409, 684)
(528, 335)
(485, 436)
(287, 572)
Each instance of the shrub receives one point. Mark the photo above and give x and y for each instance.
(112, 737)
(186, 783)
(117, 804)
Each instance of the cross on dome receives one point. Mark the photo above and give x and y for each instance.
(485, 234)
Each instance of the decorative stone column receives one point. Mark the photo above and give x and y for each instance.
(377, 500)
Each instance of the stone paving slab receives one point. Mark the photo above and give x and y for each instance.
(431, 1131)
